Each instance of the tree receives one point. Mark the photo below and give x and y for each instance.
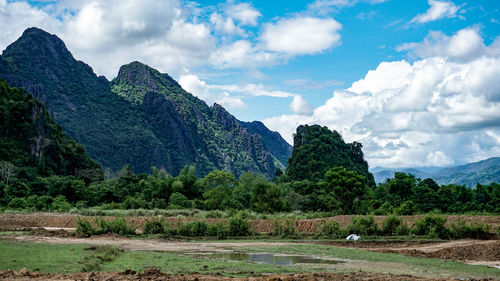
(218, 186)
(345, 186)
(7, 170)
(266, 197)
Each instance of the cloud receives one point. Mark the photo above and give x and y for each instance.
(302, 83)
(15, 17)
(225, 25)
(301, 35)
(243, 53)
(192, 84)
(253, 90)
(438, 10)
(244, 13)
(300, 106)
(437, 110)
(466, 44)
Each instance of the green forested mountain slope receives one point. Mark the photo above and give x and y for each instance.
(30, 139)
(193, 131)
(316, 149)
(276, 145)
(482, 172)
(142, 118)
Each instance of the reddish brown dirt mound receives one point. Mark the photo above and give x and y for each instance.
(155, 274)
(481, 252)
(304, 226)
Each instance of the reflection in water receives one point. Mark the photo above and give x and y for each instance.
(271, 258)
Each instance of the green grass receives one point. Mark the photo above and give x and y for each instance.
(44, 257)
(74, 258)
(56, 258)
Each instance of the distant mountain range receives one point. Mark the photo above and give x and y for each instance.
(142, 118)
(482, 172)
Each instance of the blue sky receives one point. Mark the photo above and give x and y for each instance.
(414, 81)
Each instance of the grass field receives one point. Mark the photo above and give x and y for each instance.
(62, 258)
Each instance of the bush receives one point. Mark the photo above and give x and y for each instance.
(214, 214)
(385, 209)
(193, 229)
(18, 203)
(84, 228)
(60, 204)
(432, 225)
(477, 230)
(179, 201)
(284, 228)
(218, 230)
(117, 226)
(155, 226)
(394, 225)
(331, 230)
(406, 208)
(239, 225)
(363, 226)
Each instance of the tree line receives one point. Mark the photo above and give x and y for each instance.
(340, 191)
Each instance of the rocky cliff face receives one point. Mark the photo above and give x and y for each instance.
(276, 145)
(142, 118)
(193, 132)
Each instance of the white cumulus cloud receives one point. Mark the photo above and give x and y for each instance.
(301, 35)
(437, 10)
(435, 111)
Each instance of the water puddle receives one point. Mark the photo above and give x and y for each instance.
(268, 258)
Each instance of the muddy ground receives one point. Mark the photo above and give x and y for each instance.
(261, 226)
(155, 274)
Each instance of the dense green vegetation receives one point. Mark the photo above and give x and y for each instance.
(317, 149)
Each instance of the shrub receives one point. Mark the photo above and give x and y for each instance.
(179, 201)
(284, 228)
(432, 225)
(238, 225)
(385, 209)
(60, 204)
(154, 226)
(193, 229)
(406, 208)
(330, 229)
(18, 203)
(477, 230)
(394, 225)
(215, 214)
(84, 228)
(117, 226)
(218, 230)
(363, 226)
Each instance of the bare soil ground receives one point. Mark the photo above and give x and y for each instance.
(485, 252)
(155, 274)
(261, 226)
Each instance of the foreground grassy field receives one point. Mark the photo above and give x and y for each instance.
(93, 255)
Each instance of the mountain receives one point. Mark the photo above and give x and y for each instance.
(142, 117)
(30, 138)
(316, 149)
(382, 176)
(482, 172)
(276, 145)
